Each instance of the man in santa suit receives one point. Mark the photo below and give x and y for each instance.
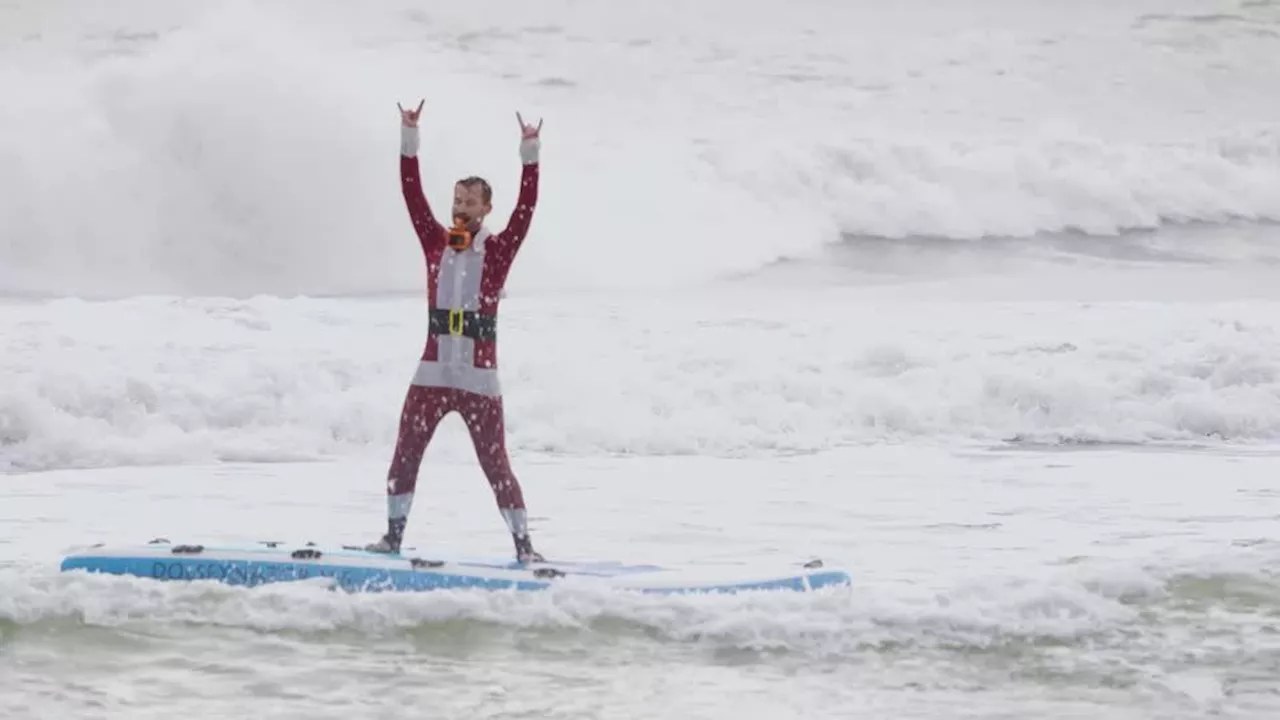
(467, 266)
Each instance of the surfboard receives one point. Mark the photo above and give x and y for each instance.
(355, 570)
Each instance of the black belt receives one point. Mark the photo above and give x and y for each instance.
(467, 323)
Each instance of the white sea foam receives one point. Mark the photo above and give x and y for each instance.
(171, 380)
(250, 148)
(222, 166)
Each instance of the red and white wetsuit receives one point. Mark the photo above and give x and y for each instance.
(458, 370)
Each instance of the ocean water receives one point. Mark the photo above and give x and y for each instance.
(979, 300)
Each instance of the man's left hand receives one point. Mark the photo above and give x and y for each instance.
(528, 131)
(530, 140)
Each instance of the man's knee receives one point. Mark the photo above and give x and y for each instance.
(494, 461)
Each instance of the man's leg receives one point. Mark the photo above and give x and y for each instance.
(423, 409)
(484, 418)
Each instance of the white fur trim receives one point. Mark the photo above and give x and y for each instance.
(529, 150)
(458, 375)
(517, 521)
(408, 141)
(398, 506)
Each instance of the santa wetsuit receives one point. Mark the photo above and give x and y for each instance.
(458, 370)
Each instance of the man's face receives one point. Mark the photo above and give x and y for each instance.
(468, 203)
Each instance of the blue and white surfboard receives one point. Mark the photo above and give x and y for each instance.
(356, 570)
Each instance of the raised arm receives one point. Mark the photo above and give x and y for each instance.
(430, 233)
(522, 216)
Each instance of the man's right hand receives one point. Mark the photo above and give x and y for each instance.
(409, 118)
(409, 130)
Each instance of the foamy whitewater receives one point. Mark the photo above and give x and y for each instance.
(979, 300)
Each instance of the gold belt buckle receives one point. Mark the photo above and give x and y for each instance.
(455, 321)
